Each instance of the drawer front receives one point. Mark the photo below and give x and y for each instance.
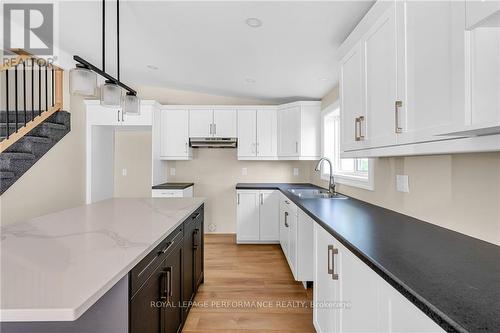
(288, 205)
(140, 273)
(167, 193)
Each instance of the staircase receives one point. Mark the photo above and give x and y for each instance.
(26, 151)
(31, 120)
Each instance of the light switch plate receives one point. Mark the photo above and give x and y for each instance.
(402, 183)
(124, 172)
(244, 171)
(172, 171)
(295, 171)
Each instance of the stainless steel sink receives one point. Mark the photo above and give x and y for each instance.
(309, 193)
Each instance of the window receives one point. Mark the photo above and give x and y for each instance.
(350, 171)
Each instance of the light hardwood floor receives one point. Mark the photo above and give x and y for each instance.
(256, 274)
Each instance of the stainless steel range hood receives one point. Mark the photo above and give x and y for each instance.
(213, 142)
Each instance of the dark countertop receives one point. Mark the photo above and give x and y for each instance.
(453, 278)
(172, 186)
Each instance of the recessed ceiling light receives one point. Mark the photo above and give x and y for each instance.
(249, 80)
(253, 22)
(153, 67)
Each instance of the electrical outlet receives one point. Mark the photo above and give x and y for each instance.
(212, 227)
(124, 172)
(295, 171)
(244, 171)
(172, 171)
(402, 183)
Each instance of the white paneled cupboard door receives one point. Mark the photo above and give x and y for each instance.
(430, 67)
(247, 141)
(381, 80)
(485, 76)
(225, 123)
(326, 289)
(266, 133)
(289, 131)
(269, 215)
(174, 134)
(247, 212)
(353, 116)
(200, 123)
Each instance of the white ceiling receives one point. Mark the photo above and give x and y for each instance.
(207, 46)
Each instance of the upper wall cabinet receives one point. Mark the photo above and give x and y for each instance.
(257, 134)
(402, 77)
(299, 131)
(100, 115)
(174, 134)
(204, 123)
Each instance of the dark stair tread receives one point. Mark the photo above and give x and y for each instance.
(17, 156)
(47, 124)
(7, 175)
(36, 138)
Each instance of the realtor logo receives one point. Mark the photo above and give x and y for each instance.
(28, 26)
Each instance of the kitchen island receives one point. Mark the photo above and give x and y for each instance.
(81, 265)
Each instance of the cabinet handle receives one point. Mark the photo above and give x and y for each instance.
(397, 105)
(195, 239)
(296, 146)
(164, 291)
(261, 198)
(215, 129)
(210, 129)
(253, 148)
(185, 147)
(196, 216)
(361, 137)
(286, 219)
(287, 202)
(238, 199)
(331, 270)
(257, 148)
(122, 116)
(356, 120)
(118, 114)
(165, 249)
(169, 290)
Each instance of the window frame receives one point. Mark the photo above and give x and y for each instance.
(346, 178)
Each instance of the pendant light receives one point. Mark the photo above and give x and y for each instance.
(82, 81)
(111, 94)
(83, 78)
(131, 104)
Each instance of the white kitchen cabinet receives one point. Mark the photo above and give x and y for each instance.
(225, 123)
(247, 126)
(247, 216)
(174, 135)
(201, 123)
(381, 80)
(267, 133)
(172, 193)
(353, 111)
(269, 215)
(257, 134)
(482, 13)
(485, 77)
(296, 237)
(100, 115)
(346, 289)
(257, 216)
(299, 131)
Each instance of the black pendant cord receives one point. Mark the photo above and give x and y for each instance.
(118, 39)
(103, 35)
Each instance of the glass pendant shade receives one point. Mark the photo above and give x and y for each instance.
(111, 94)
(131, 104)
(82, 81)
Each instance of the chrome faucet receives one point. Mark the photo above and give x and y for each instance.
(331, 184)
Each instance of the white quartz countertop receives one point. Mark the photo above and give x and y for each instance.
(54, 267)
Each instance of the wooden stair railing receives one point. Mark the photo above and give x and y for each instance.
(39, 96)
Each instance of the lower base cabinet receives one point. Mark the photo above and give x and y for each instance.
(257, 216)
(164, 283)
(346, 290)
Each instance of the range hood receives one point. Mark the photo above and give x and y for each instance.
(213, 142)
